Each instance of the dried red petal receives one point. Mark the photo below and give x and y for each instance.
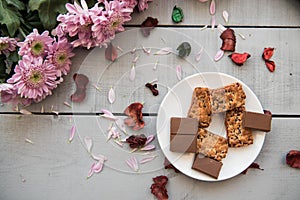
(253, 165)
(168, 165)
(136, 141)
(228, 40)
(153, 89)
(293, 158)
(134, 112)
(81, 82)
(270, 65)
(267, 112)
(239, 58)
(148, 25)
(158, 188)
(268, 53)
(111, 52)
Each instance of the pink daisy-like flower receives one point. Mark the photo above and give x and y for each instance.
(34, 78)
(143, 4)
(10, 95)
(7, 45)
(59, 55)
(35, 44)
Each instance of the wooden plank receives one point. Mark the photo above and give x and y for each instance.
(249, 13)
(42, 169)
(278, 91)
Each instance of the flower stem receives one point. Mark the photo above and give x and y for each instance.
(22, 32)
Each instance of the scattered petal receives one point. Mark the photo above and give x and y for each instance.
(114, 118)
(179, 72)
(120, 49)
(88, 143)
(212, 7)
(267, 112)
(225, 16)
(219, 55)
(155, 65)
(67, 104)
(72, 133)
(164, 51)
(199, 54)
(253, 165)
(177, 14)
(113, 133)
(150, 138)
(239, 58)
(55, 112)
(242, 36)
(96, 87)
(133, 50)
(133, 163)
(153, 88)
(111, 95)
(96, 168)
(169, 165)
(121, 125)
(158, 188)
(270, 65)
(203, 28)
(228, 40)
(111, 52)
(147, 159)
(293, 158)
(213, 22)
(148, 25)
(29, 141)
(132, 73)
(135, 59)
(147, 51)
(25, 112)
(81, 82)
(268, 53)
(136, 141)
(118, 143)
(221, 28)
(148, 147)
(133, 150)
(42, 109)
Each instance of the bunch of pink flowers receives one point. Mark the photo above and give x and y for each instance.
(98, 25)
(44, 61)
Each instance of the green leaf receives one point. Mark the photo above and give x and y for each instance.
(9, 17)
(48, 10)
(16, 3)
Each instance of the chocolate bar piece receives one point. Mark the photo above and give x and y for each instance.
(207, 165)
(183, 135)
(257, 121)
(200, 107)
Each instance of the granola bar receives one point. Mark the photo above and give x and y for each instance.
(227, 98)
(237, 136)
(201, 106)
(211, 145)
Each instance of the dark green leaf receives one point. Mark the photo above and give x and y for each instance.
(16, 3)
(184, 49)
(9, 17)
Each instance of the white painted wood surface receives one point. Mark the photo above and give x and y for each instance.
(51, 168)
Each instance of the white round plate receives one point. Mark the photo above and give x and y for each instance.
(176, 104)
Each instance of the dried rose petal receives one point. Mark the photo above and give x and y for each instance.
(228, 40)
(111, 52)
(153, 88)
(239, 58)
(253, 165)
(158, 188)
(148, 25)
(136, 141)
(135, 116)
(270, 65)
(268, 53)
(267, 112)
(168, 165)
(293, 158)
(81, 82)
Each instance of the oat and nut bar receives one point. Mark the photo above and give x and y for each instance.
(227, 98)
(200, 107)
(211, 145)
(237, 135)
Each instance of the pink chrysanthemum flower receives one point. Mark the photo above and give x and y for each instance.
(35, 44)
(34, 78)
(7, 45)
(59, 55)
(143, 4)
(9, 95)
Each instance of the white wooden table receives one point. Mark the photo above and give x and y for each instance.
(52, 168)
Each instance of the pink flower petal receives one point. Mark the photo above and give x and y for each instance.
(150, 138)
(84, 5)
(107, 112)
(91, 172)
(221, 28)
(72, 133)
(242, 36)
(133, 50)
(29, 141)
(135, 59)
(67, 104)
(118, 143)
(179, 72)
(225, 16)
(219, 55)
(132, 163)
(132, 73)
(111, 52)
(199, 55)
(88, 143)
(164, 51)
(111, 95)
(213, 22)
(147, 159)
(155, 65)
(212, 7)
(148, 147)
(147, 51)
(25, 112)
(98, 166)
(114, 118)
